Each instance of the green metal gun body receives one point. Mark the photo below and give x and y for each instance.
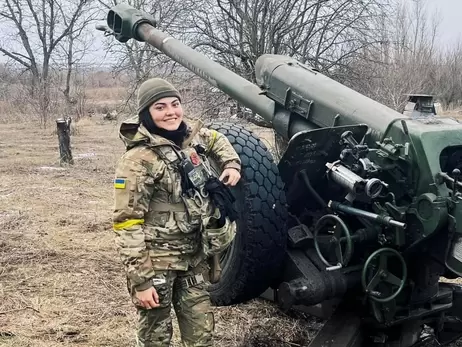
(381, 186)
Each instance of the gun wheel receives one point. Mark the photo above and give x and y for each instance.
(254, 260)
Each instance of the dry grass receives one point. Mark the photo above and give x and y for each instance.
(109, 93)
(456, 113)
(61, 282)
(104, 100)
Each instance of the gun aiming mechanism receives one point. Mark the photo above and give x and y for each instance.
(375, 197)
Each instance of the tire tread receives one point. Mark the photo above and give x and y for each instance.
(265, 231)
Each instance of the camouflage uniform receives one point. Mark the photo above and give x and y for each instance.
(163, 235)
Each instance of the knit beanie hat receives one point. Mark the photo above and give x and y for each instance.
(154, 89)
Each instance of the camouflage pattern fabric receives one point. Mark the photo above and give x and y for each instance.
(156, 227)
(216, 240)
(193, 310)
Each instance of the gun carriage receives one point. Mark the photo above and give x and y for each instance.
(358, 221)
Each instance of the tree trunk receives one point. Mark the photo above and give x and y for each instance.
(64, 126)
(70, 62)
(44, 101)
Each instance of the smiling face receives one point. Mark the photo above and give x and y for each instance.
(167, 113)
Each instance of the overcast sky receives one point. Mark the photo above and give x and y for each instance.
(451, 23)
(450, 11)
(450, 29)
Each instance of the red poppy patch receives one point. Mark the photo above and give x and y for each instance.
(195, 159)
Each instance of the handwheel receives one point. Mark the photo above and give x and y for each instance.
(383, 275)
(335, 237)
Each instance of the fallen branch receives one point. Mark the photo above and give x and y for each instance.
(19, 309)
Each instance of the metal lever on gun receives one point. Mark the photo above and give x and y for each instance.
(385, 220)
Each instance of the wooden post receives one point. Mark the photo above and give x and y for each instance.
(64, 129)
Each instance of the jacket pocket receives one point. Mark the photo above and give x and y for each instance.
(218, 239)
(187, 222)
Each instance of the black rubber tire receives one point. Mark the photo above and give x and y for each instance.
(254, 261)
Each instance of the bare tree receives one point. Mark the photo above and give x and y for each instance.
(143, 61)
(448, 77)
(406, 61)
(324, 34)
(327, 35)
(380, 48)
(138, 57)
(74, 47)
(41, 25)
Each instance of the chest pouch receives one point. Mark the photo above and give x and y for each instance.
(194, 173)
(197, 180)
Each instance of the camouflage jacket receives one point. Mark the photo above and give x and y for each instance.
(156, 228)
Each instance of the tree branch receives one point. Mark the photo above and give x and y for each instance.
(14, 57)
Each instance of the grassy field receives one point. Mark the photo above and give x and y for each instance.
(61, 282)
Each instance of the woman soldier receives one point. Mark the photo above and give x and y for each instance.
(165, 218)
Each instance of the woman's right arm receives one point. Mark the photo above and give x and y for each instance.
(135, 178)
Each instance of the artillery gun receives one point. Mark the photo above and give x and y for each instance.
(362, 214)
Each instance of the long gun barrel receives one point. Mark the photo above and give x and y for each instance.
(227, 81)
(318, 99)
(291, 96)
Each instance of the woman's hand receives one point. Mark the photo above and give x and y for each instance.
(148, 298)
(230, 176)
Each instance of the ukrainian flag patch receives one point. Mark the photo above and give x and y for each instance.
(119, 183)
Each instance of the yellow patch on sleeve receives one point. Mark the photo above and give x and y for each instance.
(212, 140)
(119, 183)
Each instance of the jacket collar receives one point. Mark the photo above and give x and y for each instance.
(132, 133)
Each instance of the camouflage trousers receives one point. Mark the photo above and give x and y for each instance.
(193, 309)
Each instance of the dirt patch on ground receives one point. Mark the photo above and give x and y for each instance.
(61, 282)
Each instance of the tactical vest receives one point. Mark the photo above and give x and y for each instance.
(182, 216)
(182, 165)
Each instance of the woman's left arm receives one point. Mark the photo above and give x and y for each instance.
(220, 149)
